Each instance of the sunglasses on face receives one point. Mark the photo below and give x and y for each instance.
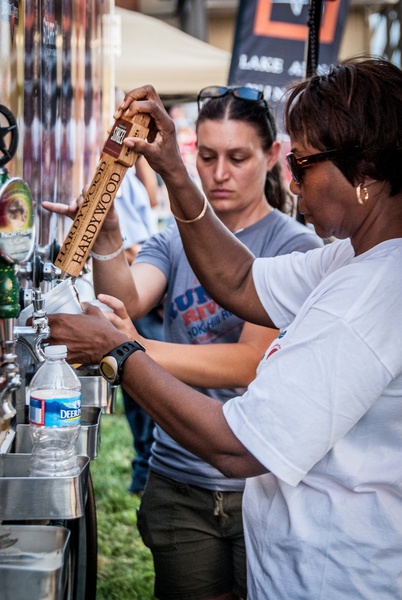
(296, 165)
(216, 91)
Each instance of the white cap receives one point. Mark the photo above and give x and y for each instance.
(56, 351)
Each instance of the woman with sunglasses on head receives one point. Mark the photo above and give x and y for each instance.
(191, 514)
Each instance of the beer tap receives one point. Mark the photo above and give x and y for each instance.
(32, 336)
(16, 246)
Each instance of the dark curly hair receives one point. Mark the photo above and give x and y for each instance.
(259, 116)
(356, 108)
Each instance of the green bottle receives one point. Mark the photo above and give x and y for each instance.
(9, 293)
(3, 175)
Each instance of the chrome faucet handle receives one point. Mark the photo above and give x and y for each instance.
(39, 317)
(32, 336)
(51, 272)
(10, 380)
(40, 324)
(7, 410)
(32, 339)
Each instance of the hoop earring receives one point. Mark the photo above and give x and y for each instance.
(359, 195)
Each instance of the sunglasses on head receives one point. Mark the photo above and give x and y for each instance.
(217, 91)
(297, 165)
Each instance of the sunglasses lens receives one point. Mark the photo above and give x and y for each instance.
(246, 93)
(213, 91)
(295, 170)
(216, 91)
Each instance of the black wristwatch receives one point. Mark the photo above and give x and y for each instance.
(111, 365)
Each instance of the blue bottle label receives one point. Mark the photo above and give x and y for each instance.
(55, 412)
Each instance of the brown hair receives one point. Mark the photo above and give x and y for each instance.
(356, 108)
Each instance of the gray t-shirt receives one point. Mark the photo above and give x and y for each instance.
(191, 316)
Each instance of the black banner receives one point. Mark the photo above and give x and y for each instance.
(271, 40)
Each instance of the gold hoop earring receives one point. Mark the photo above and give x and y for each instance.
(359, 195)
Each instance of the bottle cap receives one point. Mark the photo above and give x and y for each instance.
(59, 351)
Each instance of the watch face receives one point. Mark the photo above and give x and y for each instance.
(109, 369)
(111, 364)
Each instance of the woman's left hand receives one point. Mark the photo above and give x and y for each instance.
(118, 316)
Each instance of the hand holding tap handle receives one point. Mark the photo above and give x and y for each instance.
(115, 159)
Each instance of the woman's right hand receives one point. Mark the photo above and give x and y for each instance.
(111, 222)
(67, 210)
(118, 316)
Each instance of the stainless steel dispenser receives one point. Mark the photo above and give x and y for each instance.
(55, 510)
(56, 77)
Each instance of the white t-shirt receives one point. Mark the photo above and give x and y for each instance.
(324, 415)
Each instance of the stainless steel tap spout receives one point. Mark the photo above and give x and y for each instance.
(32, 336)
(10, 382)
(10, 379)
(32, 340)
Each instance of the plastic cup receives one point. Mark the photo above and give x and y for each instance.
(103, 307)
(63, 298)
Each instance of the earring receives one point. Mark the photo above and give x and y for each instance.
(359, 195)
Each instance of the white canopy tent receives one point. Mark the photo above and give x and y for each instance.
(175, 63)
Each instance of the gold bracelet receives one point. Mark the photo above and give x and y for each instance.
(202, 213)
(107, 256)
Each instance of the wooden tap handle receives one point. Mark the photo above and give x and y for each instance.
(115, 159)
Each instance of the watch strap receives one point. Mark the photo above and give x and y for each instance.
(112, 362)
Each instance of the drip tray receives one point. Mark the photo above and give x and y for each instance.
(33, 562)
(88, 440)
(37, 498)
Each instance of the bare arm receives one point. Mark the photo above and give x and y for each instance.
(207, 365)
(222, 263)
(193, 419)
(214, 365)
(140, 287)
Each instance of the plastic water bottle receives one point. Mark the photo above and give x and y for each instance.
(55, 416)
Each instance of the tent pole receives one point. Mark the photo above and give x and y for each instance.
(313, 40)
(312, 51)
